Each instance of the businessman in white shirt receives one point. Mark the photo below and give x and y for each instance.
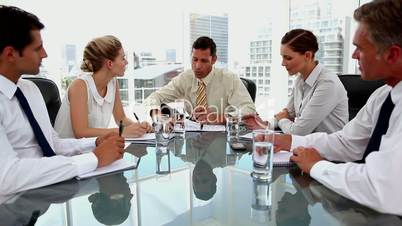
(31, 154)
(370, 144)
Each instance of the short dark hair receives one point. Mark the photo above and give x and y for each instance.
(204, 43)
(383, 20)
(301, 41)
(16, 26)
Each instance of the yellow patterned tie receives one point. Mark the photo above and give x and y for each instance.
(201, 95)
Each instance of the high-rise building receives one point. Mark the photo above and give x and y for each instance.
(147, 59)
(215, 27)
(69, 57)
(171, 56)
(260, 53)
(332, 31)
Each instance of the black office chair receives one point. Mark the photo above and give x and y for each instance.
(250, 86)
(358, 90)
(50, 94)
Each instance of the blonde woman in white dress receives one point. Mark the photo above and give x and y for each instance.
(94, 97)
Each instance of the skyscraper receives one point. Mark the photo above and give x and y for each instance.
(69, 57)
(215, 27)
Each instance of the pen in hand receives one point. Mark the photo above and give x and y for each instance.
(121, 127)
(136, 117)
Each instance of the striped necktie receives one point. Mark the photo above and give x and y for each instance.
(201, 95)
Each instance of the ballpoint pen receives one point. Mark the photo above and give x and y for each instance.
(136, 117)
(121, 127)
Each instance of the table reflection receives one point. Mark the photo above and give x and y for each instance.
(26, 207)
(111, 204)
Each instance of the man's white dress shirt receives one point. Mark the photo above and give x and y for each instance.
(22, 165)
(377, 183)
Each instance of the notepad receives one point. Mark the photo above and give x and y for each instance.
(282, 158)
(119, 165)
(145, 137)
(196, 127)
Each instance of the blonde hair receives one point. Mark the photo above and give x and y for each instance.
(98, 50)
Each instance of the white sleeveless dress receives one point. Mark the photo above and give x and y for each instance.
(100, 109)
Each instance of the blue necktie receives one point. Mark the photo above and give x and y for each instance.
(381, 127)
(46, 149)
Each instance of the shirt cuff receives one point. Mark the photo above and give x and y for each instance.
(85, 163)
(87, 144)
(272, 124)
(283, 122)
(320, 169)
(297, 141)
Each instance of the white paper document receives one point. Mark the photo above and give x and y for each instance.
(282, 158)
(146, 137)
(119, 165)
(195, 126)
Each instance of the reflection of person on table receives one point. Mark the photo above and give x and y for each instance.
(111, 205)
(25, 208)
(207, 151)
(293, 207)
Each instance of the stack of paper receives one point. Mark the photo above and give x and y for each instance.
(195, 126)
(148, 138)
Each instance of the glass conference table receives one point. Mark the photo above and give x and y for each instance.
(199, 181)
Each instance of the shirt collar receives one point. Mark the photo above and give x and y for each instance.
(396, 93)
(98, 98)
(7, 87)
(314, 75)
(208, 78)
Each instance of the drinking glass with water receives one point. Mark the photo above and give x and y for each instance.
(233, 117)
(179, 119)
(163, 130)
(263, 154)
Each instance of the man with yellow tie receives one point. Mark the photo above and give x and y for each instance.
(206, 90)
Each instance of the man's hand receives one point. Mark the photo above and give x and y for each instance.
(253, 121)
(282, 142)
(282, 114)
(101, 139)
(305, 158)
(109, 150)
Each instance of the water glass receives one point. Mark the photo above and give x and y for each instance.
(179, 118)
(163, 130)
(261, 201)
(162, 161)
(232, 126)
(262, 155)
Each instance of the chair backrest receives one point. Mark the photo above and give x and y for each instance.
(250, 86)
(50, 94)
(358, 90)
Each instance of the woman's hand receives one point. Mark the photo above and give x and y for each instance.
(136, 129)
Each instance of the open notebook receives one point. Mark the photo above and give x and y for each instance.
(117, 166)
(282, 158)
(148, 138)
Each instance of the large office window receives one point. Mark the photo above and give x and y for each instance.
(157, 38)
